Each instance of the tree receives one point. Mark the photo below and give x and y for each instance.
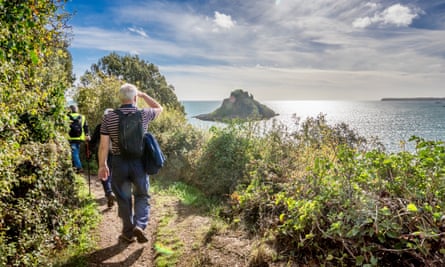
(98, 96)
(132, 69)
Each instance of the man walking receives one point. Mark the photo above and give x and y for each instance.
(78, 133)
(127, 173)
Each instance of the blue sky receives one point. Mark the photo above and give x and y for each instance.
(274, 49)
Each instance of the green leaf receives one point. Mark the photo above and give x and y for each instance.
(411, 207)
(374, 261)
(282, 217)
(34, 57)
(359, 260)
(163, 250)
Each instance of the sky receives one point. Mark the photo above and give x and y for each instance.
(274, 49)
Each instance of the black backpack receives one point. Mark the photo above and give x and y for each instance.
(75, 126)
(131, 134)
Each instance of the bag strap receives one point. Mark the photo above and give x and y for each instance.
(121, 114)
(75, 118)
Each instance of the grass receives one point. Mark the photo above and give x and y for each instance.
(169, 245)
(189, 195)
(88, 215)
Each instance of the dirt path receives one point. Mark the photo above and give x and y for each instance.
(192, 237)
(110, 252)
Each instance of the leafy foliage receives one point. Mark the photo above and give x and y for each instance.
(98, 96)
(324, 196)
(36, 188)
(180, 143)
(222, 164)
(132, 69)
(100, 86)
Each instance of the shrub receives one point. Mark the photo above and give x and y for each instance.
(180, 142)
(346, 205)
(36, 185)
(223, 163)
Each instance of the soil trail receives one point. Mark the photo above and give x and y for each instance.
(111, 252)
(170, 220)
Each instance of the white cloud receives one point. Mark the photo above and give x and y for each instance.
(362, 22)
(223, 21)
(139, 31)
(398, 15)
(371, 5)
(294, 35)
(108, 40)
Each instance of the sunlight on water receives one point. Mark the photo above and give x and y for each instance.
(390, 121)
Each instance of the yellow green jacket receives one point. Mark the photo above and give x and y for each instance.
(84, 124)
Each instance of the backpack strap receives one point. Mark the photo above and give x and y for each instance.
(119, 113)
(72, 117)
(122, 115)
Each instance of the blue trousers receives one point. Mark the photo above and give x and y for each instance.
(75, 151)
(107, 184)
(129, 176)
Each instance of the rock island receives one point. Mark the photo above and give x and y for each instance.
(241, 106)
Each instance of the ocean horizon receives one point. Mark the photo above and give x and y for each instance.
(393, 122)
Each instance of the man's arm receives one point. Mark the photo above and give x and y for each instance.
(103, 155)
(151, 102)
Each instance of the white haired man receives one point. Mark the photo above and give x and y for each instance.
(128, 173)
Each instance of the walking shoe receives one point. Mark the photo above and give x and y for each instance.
(126, 240)
(110, 200)
(140, 235)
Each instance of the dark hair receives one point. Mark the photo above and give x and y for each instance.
(73, 108)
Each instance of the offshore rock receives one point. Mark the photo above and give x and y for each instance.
(240, 106)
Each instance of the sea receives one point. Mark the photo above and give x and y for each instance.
(392, 122)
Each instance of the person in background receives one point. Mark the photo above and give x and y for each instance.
(127, 173)
(78, 133)
(94, 144)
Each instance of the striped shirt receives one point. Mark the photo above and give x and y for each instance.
(110, 124)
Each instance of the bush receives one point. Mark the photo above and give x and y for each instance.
(346, 205)
(37, 191)
(180, 143)
(222, 164)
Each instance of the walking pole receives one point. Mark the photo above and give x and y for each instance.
(88, 166)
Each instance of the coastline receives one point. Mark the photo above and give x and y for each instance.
(414, 99)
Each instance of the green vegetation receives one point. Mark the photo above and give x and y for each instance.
(323, 195)
(79, 229)
(38, 194)
(318, 196)
(112, 70)
(169, 246)
(327, 201)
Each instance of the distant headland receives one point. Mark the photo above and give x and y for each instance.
(414, 99)
(240, 105)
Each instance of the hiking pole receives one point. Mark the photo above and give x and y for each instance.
(88, 166)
